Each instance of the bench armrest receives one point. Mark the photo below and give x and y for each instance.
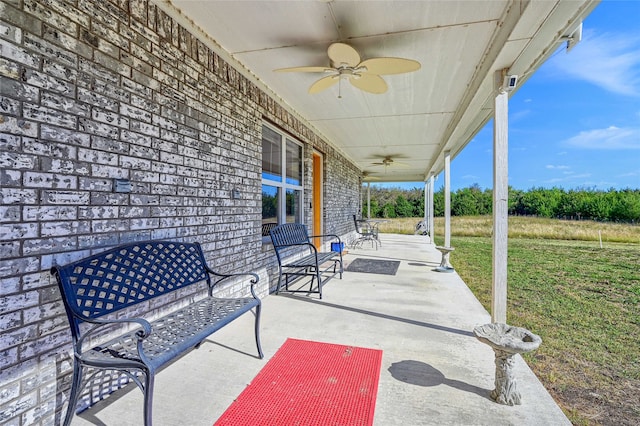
(221, 277)
(143, 333)
(333, 237)
(325, 235)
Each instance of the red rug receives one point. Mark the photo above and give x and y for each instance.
(310, 384)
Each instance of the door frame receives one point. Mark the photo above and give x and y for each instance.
(317, 177)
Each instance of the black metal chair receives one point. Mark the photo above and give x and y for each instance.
(366, 232)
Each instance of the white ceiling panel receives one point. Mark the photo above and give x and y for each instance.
(460, 45)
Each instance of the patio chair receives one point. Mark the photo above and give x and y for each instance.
(366, 231)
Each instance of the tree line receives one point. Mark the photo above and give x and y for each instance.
(611, 205)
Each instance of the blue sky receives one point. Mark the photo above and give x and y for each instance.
(575, 124)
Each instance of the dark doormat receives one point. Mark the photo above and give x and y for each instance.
(374, 266)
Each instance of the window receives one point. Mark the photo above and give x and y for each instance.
(281, 178)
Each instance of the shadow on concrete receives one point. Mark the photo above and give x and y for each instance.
(414, 262)
(422, 374)
(381, 315)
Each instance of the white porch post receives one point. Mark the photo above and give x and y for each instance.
(428, 208)
(447, 199)
(361, 198)
(431, 207)
(500, 204)
(368, 200)
(445, 266)
(426, 203)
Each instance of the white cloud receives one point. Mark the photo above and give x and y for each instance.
(552, 167)
(570, 179)
(611, 61)
(581, 176)
(611, 138)
(518, 116)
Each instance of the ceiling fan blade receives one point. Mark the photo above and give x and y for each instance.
(323, 83)
(369, 83)
(387, 66)
(341, 53)
(305, 69)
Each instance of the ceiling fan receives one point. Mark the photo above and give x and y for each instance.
(388, 161)
(368, 177)
(365, 75)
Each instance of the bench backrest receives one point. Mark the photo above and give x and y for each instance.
(289, 234)
(288, 238)
(127, 275)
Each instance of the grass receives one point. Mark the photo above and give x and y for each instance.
(583, 300)
(527, 227)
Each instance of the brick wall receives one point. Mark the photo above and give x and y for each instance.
(94, 90)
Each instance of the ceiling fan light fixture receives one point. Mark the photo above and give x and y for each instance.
(364, 75)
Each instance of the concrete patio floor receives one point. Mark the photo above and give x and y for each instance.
(434, 371)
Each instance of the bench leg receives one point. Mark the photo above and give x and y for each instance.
(279, 281)
(74, 394)
(319, 282)
(257, 330)
(286, 281)
(148, 397)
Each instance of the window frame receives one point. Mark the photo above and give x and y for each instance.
(284, 185)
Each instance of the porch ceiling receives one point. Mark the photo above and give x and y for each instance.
(460, 44)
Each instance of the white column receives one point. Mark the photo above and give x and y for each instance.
(446, 249)
(361, 199)
(500, 205)
(447, 199)
(426, 204)
(425, 218)
(431, 207)
(368, 200)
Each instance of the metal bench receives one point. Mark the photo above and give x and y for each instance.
(297, 256)
(98, 290)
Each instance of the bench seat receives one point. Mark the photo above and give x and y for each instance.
(311, 260)
(172, 334)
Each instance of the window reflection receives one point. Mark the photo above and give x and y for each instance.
(271, 155)
(281, 179)
(269, 204)
(293, 205)
(294, 163)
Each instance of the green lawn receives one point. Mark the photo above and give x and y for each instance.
(583, 300)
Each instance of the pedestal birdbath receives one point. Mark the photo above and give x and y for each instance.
(506, 341)
(444, 266)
